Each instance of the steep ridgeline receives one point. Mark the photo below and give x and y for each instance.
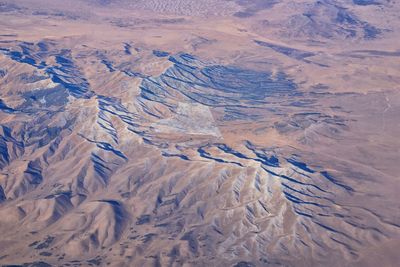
(153, 179)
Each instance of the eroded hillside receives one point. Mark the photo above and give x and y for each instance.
(192, 133)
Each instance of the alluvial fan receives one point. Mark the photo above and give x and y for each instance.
(194, 133)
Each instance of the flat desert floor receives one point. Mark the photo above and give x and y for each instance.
(236, 133)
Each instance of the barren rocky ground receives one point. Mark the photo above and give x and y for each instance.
(199, 133)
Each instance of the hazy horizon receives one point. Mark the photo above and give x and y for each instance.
(238, 133)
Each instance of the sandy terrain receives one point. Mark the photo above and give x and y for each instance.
(199, 133)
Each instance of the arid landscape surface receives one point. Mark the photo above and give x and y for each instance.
(199, 133)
